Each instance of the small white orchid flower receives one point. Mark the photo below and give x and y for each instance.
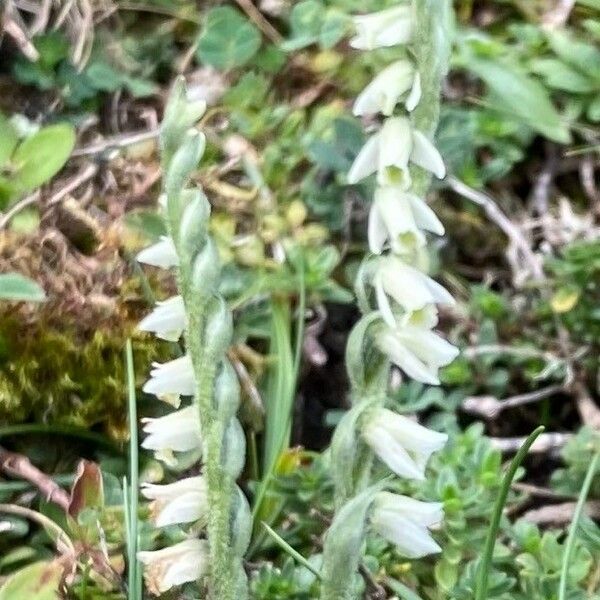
(173, 377)
(385, 28)
(167, 320)
(409, 287)
(178, 431)
(405, 522)
(399, 217)
(384, 92)
(403, 445)
(162, 254)
(389, 151)
(183, 501)
(415, 349)
(174, 565)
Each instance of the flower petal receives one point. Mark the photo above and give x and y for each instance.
(365, 163)
(391, 453)
(425, 154)
(424, 217)
(162, 254)
(415, 93)
(167, 320)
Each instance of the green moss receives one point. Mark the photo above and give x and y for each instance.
(56, 377)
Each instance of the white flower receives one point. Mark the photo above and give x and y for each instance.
(173, 377)
(178, 431)
(384, 28)
(183, 501)
(399, 217)
(162, 254)
(404, 522)
(414, 348)
(403, 445)
(383, 93)
(174, 565)
(409, 287)
(167, 320)
(388, 152)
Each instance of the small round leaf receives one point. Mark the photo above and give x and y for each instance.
(228, 40)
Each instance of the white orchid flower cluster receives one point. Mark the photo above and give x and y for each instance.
(401, 327)
(202, 378)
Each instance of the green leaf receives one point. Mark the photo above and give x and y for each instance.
(593, 111)
(446, 575)
(103, 77)
(14, 286)
(560, 76)
(147, 222)
(228, 40)
(522, 97)
(401, 590)
(42, 155)
(8, 139)
(53, 47)
(334, 27)
(87, 490)
(582, 56)
(306, 20)
(38, 581)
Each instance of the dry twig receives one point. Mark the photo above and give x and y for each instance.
(546, 442)
(490, 407)
(558, 514)
(17, 465)
(532, 264)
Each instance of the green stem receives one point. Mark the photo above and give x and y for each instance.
(585, 490)
(490, 542)
(207, 336)
(220, 485)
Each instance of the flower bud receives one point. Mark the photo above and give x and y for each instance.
(233, 450)
(204, 276)
(227, 391)
(193, 225)
(219, 327)
(183, 163)
(241, 523)
(180, 115)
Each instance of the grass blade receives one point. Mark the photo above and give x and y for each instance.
(490, 542)
(132, 497)
(280, 393)
(293, 553)
(585, 489)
